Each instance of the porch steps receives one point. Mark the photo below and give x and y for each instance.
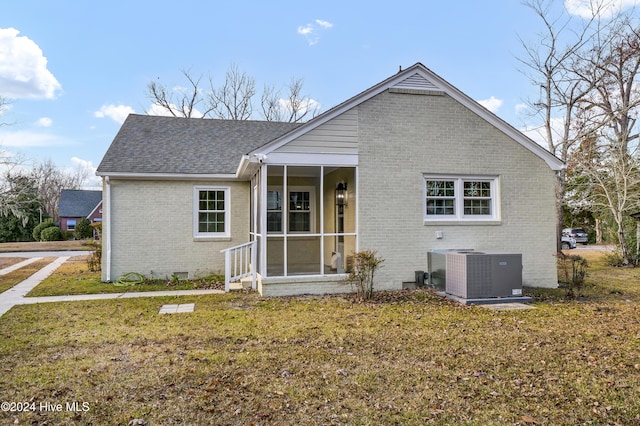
(243, 284)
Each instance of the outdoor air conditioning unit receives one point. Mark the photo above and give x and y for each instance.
(437, 267)
(474, 275)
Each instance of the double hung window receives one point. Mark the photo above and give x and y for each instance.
(211, 211)
(299, 205)
(461, 198)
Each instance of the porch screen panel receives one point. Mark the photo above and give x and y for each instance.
(338, 256)
(303, 255)
(275, 256)
(275, 202)
(339, 211)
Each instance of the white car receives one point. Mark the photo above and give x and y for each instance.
(568, 242)
(579, 234)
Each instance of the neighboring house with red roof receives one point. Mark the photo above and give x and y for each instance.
(76, 204)
(409, 165)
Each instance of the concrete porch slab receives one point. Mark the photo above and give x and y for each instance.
(489, 300)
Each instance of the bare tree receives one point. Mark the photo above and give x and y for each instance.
(3, 107)
(550, 64)
(16, 195)
(609, 154)
(16, 191)
(180, 102)
(295, 108)
(233, 100)
(51, 181)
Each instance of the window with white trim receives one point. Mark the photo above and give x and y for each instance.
(461, 198)
(211, 211)
(300, 209)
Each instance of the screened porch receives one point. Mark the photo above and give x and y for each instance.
(303, 220)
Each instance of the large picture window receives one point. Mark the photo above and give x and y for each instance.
(461, 198)
(211, 211)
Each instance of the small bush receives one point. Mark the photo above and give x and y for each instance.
(94, 262)
(37, 231)
(614, 258)
(365, 265)
(83, 229)
(51, 233)
(97, 230)
(574, 270)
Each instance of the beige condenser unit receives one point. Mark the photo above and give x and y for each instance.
(474, 274)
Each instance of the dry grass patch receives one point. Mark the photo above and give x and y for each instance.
(19, 275)
(74, 277)
(406, 358)
(47, 246)
(5, 262)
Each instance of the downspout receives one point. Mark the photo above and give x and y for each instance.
(106, 229)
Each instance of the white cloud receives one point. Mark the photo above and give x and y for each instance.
(44, 122)
(309, 105)
(27, 138)
(23, 68)
(306, 30)
(492, 104)
(602, 8)
(521, 108)
(311, 31)
(539, 135)
(117, 113)
(93, 181)
(324, 24)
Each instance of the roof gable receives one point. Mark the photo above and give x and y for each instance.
(78, 202)
(416, 79)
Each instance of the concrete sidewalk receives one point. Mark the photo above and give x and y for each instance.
(16, 295)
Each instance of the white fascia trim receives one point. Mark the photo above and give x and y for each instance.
(248, 167)
(94, 209)
(169, 176)
(312, 159)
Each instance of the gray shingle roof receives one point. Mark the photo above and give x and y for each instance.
(154, 144)
(78, 202)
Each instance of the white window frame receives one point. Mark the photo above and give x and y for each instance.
(458, 198)
(285, 208)
(227, 212)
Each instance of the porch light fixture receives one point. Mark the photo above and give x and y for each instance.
(341, 194)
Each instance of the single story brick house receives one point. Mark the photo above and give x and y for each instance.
(409, 165)
(77, 204)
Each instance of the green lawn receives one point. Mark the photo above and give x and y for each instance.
(408, 357)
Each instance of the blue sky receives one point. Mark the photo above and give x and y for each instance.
(71, 71)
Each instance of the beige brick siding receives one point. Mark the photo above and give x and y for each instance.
(402, 137)
(152, 228)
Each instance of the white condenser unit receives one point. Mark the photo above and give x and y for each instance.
(474, 274)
